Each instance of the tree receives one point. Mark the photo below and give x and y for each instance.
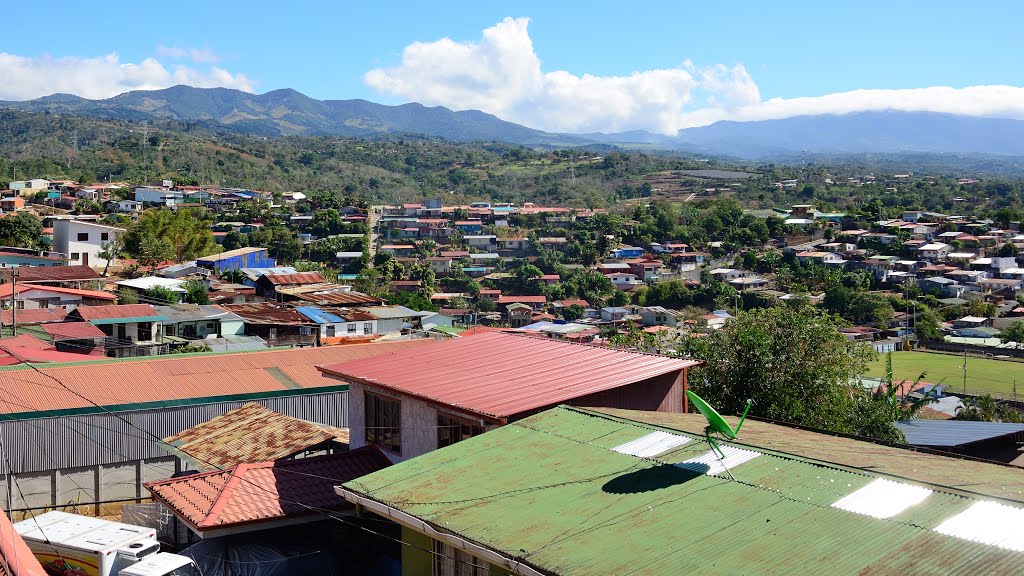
(20, 230)
(793, 364)
(153, 250)
(160, 295)
(234, 240)
(1007, 250)
(573, 312)
(1013, 333)
(111, 251)
(186, 232)
(196, 292)
(986, 409)
(926, 324)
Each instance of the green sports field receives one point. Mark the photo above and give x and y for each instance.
(983, 375)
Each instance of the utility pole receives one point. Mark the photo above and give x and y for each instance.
(14, 302)
(965, 371)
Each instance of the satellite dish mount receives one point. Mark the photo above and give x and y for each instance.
(716, 424)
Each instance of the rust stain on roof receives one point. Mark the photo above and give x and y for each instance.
(294, 279)
(252, 433)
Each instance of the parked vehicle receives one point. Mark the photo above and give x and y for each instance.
(73, 545)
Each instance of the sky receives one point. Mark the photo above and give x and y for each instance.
(559, 66)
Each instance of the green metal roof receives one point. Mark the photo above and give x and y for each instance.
(549, 492)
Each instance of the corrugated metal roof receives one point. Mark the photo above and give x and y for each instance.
(119, 382)
(333, 296)
(51, 273)
(72, 331)
(94, 313)
(195, 312)
(991, 479)
(6, 289)
(922, 432)
(35, 315)
(295, 279)
(319, 316)
(251, 493)
(230, 254)
(565, 503)
(252, 433)
(500, 375)
(267, 313)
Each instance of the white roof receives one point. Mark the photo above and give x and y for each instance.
(961, 255)
(153, 282)
(973, 319)
(934, 246)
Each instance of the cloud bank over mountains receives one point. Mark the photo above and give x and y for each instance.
(502, 74)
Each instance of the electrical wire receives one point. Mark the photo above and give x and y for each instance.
(323, 511)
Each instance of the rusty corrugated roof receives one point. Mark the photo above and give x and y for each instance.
(249, 493)
(251, 433)
(51, 273)
(35, 315)
(267, 313)
(295, 279)
(577, 492)
(91, 313)
(110, 382)
(498, 375)
(332, 297)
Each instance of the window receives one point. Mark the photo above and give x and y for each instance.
(330, 331)
(368, 328)
(351, 328)
(383, 422)
(44, 303)
(74, 255)
(104, 236)
(83, 236)
(451, 429)
(20, 304)
(451, 561)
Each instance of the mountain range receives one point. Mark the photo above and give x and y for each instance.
(289, 113)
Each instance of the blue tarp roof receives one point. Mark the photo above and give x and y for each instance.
(317, 315)
(920, 432)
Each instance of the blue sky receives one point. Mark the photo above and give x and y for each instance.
(651, 65)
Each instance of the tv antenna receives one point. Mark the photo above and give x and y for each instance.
(717, 424)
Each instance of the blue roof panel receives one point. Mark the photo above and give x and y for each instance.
(317, 315)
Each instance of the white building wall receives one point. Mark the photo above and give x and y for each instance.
(419, 423)
(65, 239)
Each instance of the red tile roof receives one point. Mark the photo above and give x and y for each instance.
(178, 378)
(293, 279)
(72, 331)
(51, 273)
(91, 313)
(35, 315)
(249, 493)
(497, 375)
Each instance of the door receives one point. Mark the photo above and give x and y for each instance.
(85, 258)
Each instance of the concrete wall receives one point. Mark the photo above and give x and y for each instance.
(419, 423)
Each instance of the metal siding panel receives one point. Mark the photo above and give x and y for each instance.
(87, 440)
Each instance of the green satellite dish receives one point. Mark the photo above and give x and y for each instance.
(715, 422)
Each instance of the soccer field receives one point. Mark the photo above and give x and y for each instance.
(983, 375)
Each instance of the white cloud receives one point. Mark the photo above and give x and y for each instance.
(502, 74)
(200, 56)
(23, 78)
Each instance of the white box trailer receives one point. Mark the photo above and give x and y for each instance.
(74, 545)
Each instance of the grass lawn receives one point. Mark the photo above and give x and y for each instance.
(983, 375)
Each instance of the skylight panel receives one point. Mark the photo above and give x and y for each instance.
(652, 444)
(711, 463)
(882, 498)
(988, 523)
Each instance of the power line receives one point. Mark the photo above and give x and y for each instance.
(323, 511)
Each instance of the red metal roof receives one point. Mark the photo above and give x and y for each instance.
(6, 289)
(293, 279)
(26, 341)
(17, 557)
(51, 273)
(89, 313)
(72, 331)
(499, 375)
(114, 382)
(250, 493)
(35, 315)
(522, 299)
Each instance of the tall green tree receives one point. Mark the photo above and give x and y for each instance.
(22, 230)
(187, 232)
(793, 364)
